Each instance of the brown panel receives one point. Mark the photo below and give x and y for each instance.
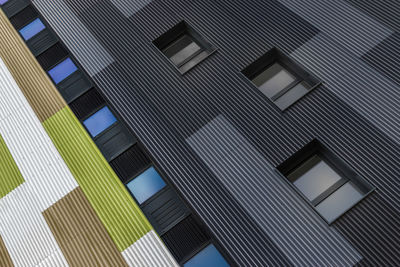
(29, 75)
(80, 234)
(5, 259)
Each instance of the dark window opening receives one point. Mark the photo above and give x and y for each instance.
(279, 78)
(184, 47)
(324, 180)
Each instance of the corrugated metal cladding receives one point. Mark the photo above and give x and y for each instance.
(53, 154)
(358, 120)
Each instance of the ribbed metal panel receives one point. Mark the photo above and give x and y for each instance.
(164, 108)
(80, 234)
(86, 48)
(26, 235)
(294, 227)
(138, 255)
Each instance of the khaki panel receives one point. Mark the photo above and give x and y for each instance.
(29, 75)
(81, 236)
(5, 259)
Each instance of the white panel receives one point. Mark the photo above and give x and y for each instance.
(148, 251)
(354, 30)
(23, 228)
(89, 52)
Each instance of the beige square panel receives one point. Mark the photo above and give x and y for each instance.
(80, 234)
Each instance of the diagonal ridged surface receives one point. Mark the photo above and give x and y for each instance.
(10, 176)
(80, 234)
(120, 215)
(27, 72)
(5, 260)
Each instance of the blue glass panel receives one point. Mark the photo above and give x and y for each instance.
(32, 29)
(62, 70)
(2, 2)
(146, 185)
(208, 257)
(99, 121)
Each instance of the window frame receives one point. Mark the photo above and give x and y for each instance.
(170, 36)
(140, 172)
(94, 138)
(339, 165)
(300, 73)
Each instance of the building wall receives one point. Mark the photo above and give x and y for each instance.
(58, 193)
(190, 123)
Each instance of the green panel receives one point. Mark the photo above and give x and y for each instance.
(10, 176)
(120, 215)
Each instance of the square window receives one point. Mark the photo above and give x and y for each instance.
(146, 185)
(99, 121)
(62, 70)
(280, 79)
(33, 28)
(328, 184)
(183, 46)
(208, 256)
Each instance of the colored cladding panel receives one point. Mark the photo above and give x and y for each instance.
(146, 185)
(209, 257)
(32, 29)
(2, 2)
(62, 70)
(27, 72)
(100, 121)
(80, 234)
(113, 204)
(138, 253)
(5, 260)
(10, 176)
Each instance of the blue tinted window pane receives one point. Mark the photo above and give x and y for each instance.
(208, 257)
(62, 70)
(3, 2)
(32, 29)
(146, 185)
(99, 121)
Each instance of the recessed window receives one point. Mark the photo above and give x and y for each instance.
(62, 70)
(324, 180)
(209, 256)
(146, 185)
(2, 2)
(183, 46)
(99, 121)
(32, 29)
(280, 79)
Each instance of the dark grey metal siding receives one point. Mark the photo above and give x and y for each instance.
(164, 108)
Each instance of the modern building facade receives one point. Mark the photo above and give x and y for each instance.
(199, 133)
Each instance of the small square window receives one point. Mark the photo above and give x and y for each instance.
(208, 256)
(280, 79)
(62, 70)
(324, 180)
(183, 46)
(99, 121)
(33, 28)
(146, 185)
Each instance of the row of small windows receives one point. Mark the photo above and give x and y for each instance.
(160, 203)
(278, 77)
